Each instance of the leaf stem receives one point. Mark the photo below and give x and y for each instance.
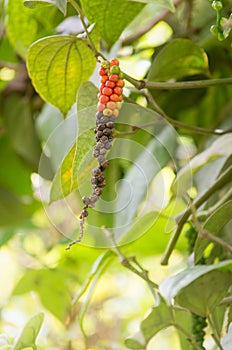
(183, 217)
(82, 18)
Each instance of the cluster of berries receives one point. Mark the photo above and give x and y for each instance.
(110, 101)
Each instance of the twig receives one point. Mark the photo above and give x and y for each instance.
(126, 262)
(183, 217)
(207, 235)
(182, 125)
(221, 201)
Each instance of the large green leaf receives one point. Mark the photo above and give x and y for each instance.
(164, 3)
(221, 147)
(68, 175)
(60, 4)
(57, 66)
(25, 26)
(21, 26)
(27, 337)
(214, 225)
(179, 59)
(205, 293)
(111, 16)
(194, 286)
(51, 286)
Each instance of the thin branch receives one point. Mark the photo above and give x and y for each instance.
(126, 262)
(183, 217)
(148, 26)
(182, 125)
(178, 85)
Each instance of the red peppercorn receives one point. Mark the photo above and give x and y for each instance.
(110, 84)
(118, 90)
(114, 98)
(120, 83)
(101, 87)
(103, 99)
(114, 62)
(102, 71)
(113, 77)
(120, 98)
(104, 78)
(107, 91)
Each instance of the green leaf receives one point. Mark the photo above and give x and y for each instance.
(69, 174)
(164, 3)
(221, 147)
(51, 286)
(214, 225)
(133, 344)
(179, 59)
(151, 160)
(60, 4)
(21, 26)
(204, 294)
(57, 66)
(25, 26)
(111, 16)
(194, 286)
(29, 333)
(11, 208)
(160, 317)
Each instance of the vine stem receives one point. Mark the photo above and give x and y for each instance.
(178, 85)
(183, 217)
(96, 53)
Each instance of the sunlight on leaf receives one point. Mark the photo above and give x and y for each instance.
(180, 58)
